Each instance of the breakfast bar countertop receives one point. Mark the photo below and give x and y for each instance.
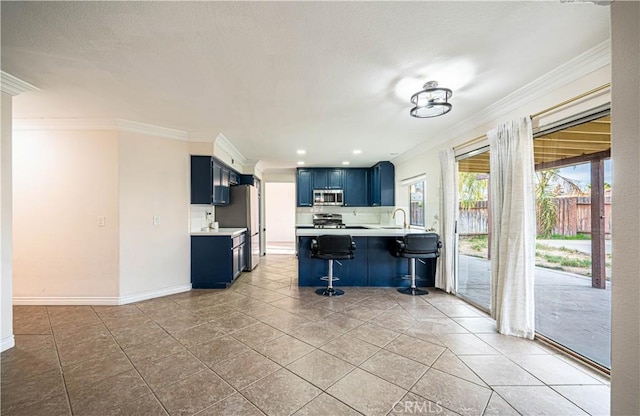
(363, 230)
(220, 232)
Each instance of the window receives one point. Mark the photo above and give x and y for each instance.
(416, 200)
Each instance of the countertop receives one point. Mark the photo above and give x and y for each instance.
(220, 232)
(371, 230)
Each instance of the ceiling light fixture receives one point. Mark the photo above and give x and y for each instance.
(300, 163)
(432, 101)
(357, 152)
(301, 152)
(345, 162)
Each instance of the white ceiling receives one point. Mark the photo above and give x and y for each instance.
(274, 77)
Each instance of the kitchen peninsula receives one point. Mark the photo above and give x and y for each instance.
(373, 264)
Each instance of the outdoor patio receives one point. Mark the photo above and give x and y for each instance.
(568, 310)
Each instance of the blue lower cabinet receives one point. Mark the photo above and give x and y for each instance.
(351, 272)
(373, 265)
(216, 261)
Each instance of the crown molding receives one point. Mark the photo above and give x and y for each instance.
(226, 145)
(14, 86)
(257, 166)
(151, 130)
(23, 124)
(93, 124)
(582, 65)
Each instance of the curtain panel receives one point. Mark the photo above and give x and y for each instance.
(448, 216)
(513, 228)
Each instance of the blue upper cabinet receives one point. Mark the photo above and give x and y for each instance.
(335, 178)
(201, 180)
(382, 185)
(210, 181)
(356, 191)
(304, 189)
(362, 187)
(327, 178)
(221, 189)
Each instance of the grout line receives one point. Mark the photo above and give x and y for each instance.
(132, 364)
(55, 345)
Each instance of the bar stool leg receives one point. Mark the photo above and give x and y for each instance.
(413, 289)
(329, 290)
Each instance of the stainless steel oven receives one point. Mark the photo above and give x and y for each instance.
(333, 197)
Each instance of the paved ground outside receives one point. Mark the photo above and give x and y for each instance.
(568, 309)
(580, 245)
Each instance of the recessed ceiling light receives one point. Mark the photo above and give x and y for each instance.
(300, 162)
(357, 152)
(346, 162)
(301, 151)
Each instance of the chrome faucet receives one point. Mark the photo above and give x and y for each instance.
(404, 222)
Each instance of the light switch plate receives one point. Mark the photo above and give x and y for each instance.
(101, 221)
(156, 220)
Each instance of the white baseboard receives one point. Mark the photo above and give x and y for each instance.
(53, 301)
(100, 300)
(137, 297)
(7, 342)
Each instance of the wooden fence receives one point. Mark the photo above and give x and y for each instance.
(574, 216)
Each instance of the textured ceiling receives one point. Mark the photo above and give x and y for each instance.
(273, 77)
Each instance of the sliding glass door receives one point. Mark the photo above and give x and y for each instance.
(474, 260)
(573, 248)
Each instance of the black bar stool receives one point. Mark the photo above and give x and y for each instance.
(417, 246)
(332, 247)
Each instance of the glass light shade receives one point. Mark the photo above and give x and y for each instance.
(432, 101)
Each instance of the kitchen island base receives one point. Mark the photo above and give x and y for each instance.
(373, 265)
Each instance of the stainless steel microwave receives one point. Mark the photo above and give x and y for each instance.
(328, 197)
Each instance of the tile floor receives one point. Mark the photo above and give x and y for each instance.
(266, 346)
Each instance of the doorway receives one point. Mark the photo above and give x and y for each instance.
(280, 217)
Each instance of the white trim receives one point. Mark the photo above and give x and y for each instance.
(14, 86)
(74, 300)
(7, 342)
(409, 181)
(74, 124)
(595, 58)
(93, 124)
(226, 145)
(254, 167)
(137, 297)
(151, 130)
(100, 300)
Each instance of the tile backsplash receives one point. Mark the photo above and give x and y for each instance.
(198, 216)
(350, 215)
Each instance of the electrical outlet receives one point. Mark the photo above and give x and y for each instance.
(156, 220)
(101, 221)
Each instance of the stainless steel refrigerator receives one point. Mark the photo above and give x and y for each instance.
(243, 211)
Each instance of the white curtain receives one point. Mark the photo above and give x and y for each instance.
(513, 228)
(448, 216)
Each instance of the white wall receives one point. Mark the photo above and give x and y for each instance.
(625, 152)
(6, 263)
(280, 211)
(279, 175)
(153, 178)
(63, 181)
(201, 148)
